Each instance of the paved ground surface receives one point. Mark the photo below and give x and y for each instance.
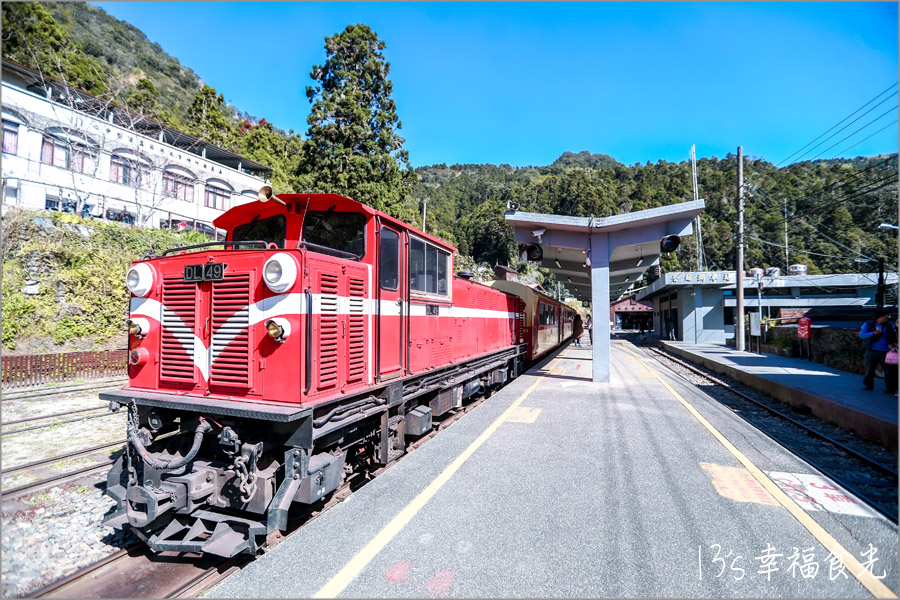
(830, 384)
(583, 490)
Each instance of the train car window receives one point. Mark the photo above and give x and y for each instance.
(443, 260)
(428, 268)
(271, 230)
(389, 259)
(345, 232)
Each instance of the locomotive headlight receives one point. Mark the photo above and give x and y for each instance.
(280, 272)
(278, 329)
(139, 279)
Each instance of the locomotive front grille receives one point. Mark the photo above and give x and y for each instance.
(356, 340)
(328, 330)
(230, 316)
(179, 316)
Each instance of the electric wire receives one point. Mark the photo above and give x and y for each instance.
(865, 138)
(893, 108)
(841, 121)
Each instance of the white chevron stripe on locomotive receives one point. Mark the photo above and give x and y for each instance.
(295, 304)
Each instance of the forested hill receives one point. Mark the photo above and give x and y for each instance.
(833, 207)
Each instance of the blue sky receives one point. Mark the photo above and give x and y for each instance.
(521, 83)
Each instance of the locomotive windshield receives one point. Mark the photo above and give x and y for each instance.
(271, 230)
(341, 231)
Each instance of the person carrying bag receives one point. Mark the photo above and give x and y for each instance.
(877, 337)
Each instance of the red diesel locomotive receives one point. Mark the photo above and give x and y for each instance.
(315, 340)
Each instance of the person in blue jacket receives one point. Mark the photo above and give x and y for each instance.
(877, 337)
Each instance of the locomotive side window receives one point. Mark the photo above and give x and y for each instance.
(271, 230)
(428, 267)
(389, 259)
(344, 232)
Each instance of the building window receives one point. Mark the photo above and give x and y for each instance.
(10, 137)
(66, 155)
(178, 186)
(216, 197)
(128, 172)
(51, 202)
(10, 195)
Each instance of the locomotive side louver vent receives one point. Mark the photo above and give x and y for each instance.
(176, 361)
(328, 330)
(356, 334)
(231, 332)
(521, 321)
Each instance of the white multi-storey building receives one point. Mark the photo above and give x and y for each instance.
(101, 160)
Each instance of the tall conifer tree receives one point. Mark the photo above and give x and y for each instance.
(352, 147)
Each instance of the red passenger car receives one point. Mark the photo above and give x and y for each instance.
(318, 338)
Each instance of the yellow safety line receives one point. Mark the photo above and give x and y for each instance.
(865, 577)
(359, 562)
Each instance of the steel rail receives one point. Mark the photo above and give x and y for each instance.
(862, 457)
(77, 420)
(39, 485)
(61, 390)
(61, 457)
(62, 414)
(872, 502)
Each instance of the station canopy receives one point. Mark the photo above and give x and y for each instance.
(632, 243)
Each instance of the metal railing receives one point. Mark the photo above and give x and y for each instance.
(23, 370)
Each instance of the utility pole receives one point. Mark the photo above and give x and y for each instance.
(700, 265)
(787, 250)
(739, 268)
(424, 210)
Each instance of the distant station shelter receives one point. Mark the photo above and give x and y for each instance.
(599, 259)
(702, 305)
(631, 313)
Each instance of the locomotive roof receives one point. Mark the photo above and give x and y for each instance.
(297, 202)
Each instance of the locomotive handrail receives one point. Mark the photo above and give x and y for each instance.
(309, 312)
(223, 243)
(327, 250)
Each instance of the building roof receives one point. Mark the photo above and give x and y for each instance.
(38, 83)
(633, 242)
(726, 280)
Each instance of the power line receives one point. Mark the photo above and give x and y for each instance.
(801, 221)
(842, 120)
(865, 138)
(805, 251)
(846, 179)
(855, 132)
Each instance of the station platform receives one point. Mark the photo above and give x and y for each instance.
(829, 393)
(560, 487)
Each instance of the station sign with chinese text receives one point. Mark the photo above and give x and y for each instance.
(706, 277)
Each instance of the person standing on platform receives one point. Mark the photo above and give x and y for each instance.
(875, 336)
(590, 329)
(890, 367)
(577, 329)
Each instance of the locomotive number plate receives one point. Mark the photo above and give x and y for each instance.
(207, 272)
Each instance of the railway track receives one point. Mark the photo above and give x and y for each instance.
(139, 572)
(25, 394)
(838, 454)
(51, 424)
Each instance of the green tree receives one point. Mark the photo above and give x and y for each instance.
(206, 118)
(144, 99)
(34, 38)
(352, 146)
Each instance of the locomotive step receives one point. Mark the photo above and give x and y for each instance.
(207, 531)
